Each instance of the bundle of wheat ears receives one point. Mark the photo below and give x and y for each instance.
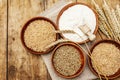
(109, 20)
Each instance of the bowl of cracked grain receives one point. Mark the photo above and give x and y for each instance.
(37, 33)
(68, 60)
(105, 59)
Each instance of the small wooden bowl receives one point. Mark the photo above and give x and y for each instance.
(117, 74)
(83, 59)
(23, 31)
(70, 5)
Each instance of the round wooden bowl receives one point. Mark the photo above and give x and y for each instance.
(72, 4)
(82, 56)
(117, 74)
(23, 31)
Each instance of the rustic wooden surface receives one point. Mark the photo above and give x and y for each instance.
(21, 64)
(3, 38)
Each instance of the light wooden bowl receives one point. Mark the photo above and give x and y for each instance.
(23, 31)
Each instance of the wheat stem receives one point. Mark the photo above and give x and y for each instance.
(118, 11)
(104, 30)
(116, 23)
(55, 43)
(109, 16)
(103, 18)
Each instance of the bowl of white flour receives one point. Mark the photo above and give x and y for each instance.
(74, 15)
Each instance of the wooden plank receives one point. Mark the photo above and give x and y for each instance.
(3, 29)
(23, 65)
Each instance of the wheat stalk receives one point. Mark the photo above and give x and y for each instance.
(106, 25)
(65, 31)
(111, 21)
(104, 30)
(117, 25)
(91, 58)
(98, 8)
(118, 12)
(102, 18)
(55, 43)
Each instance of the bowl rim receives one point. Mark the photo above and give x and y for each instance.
(117, 74)
(78, 3)
(82, 55)
(26, 25)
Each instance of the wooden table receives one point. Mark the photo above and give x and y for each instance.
(15, 62)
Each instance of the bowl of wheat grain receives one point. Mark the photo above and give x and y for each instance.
(105, 59)
(68, 60)
(37, 33)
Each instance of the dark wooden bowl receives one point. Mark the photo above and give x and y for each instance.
(117, 74)
(70, 5)
(83, 59)
(23, 31)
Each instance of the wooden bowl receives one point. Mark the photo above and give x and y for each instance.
(83, 59)
(70, 5)
(117, 74)
(23, 31)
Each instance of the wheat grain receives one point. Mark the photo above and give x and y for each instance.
(38, 35)
(67, 60)
(103, 55)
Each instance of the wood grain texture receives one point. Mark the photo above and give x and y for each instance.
(21, 64)
(3, 27)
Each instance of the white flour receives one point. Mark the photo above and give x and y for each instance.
(75, 16)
